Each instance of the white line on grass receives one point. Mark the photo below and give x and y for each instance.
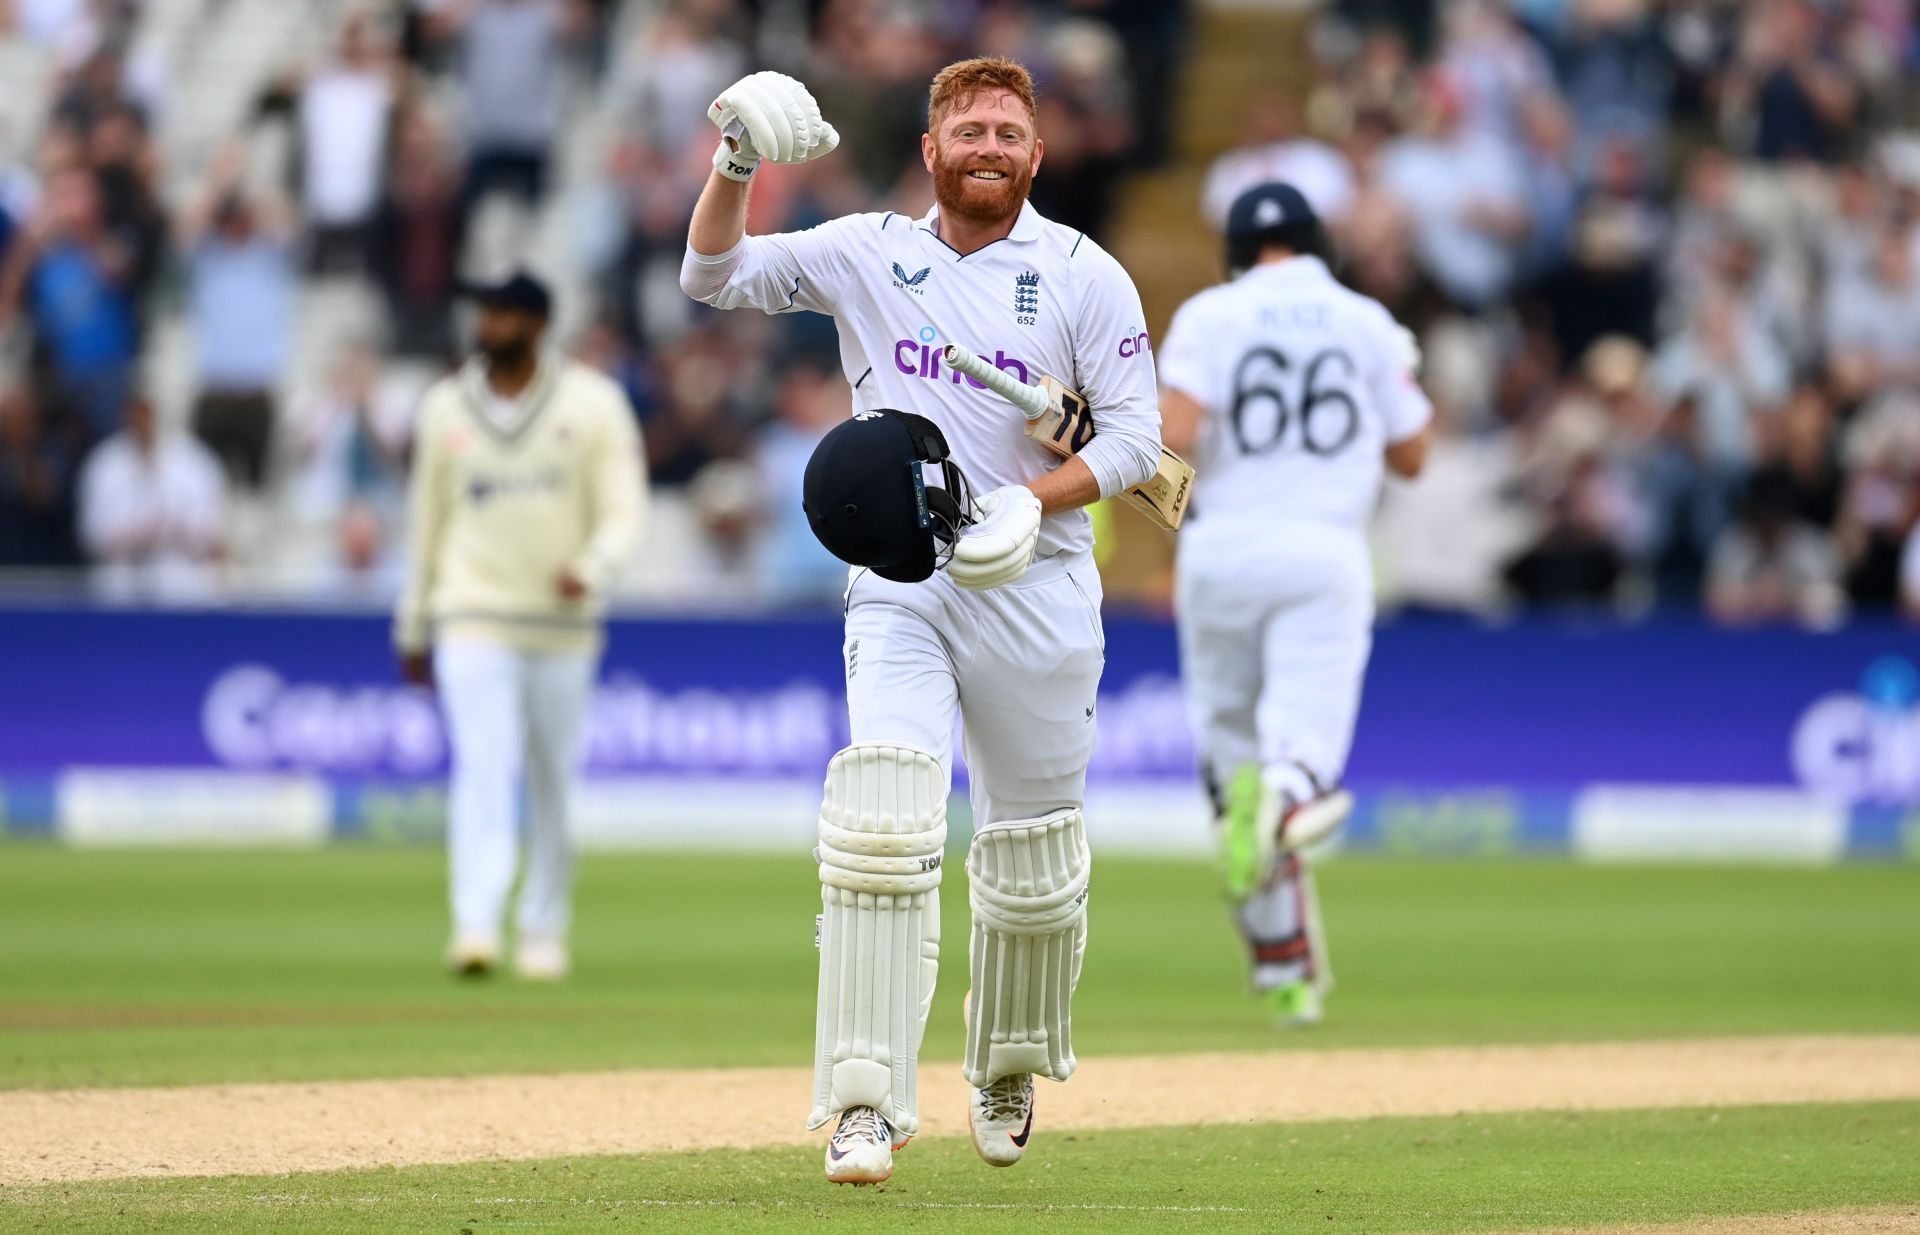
(695, 1203)
(286, 1198)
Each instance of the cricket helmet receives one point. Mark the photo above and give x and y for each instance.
(868, 501)
(1273, 214)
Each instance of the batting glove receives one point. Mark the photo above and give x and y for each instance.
(997, 547)
(767, 116)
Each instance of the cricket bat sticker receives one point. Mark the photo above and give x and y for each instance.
(1059, 418)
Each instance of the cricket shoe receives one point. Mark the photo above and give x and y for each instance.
(541, 958)
(1311, 821)
(1295, 1005)
(1261, 822)
(1001, 1116)
(473, 955)
(861, 1151)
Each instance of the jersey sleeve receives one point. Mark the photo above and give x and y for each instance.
(1182, 356)
(785, 272)
(617, 488)
(1113, 369)
(1404, 406)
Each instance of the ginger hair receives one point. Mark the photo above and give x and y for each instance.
(956, 85)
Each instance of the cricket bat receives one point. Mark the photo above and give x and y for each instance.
(1059, 419)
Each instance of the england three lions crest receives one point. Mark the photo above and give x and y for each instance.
(1026, 296)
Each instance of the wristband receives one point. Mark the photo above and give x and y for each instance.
(734, 164)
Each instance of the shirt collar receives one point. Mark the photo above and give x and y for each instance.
(1304, 266)
(518, 411)
(1025, 228)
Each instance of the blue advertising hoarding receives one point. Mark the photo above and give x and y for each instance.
(1472, 735)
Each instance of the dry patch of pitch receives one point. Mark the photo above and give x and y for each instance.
(51, 1135)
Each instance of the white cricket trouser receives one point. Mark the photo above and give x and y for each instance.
(510, 710)
(1275, 627)
(1020, 665)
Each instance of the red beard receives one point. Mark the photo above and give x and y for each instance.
(980, 201)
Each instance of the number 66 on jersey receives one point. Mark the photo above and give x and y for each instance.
(1059, 419)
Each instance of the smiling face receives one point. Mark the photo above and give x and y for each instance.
(983, 154)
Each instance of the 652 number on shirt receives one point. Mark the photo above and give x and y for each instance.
(1321, 420)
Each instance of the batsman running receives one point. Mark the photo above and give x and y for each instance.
(1005, 633)
(1295, 395)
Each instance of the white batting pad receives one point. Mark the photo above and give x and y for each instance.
(1028, 882)
(883, 825)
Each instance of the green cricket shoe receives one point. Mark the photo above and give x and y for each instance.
(1246, 846)
(1295, 1004)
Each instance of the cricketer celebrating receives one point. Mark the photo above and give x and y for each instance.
(1294, 395)
(526, 499)
(1008, 635)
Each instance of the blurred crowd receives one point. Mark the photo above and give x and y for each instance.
(1665, 265)
(1663, 257)
(732, 403)
(305, 257)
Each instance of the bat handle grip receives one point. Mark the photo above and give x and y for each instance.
(1031, 400)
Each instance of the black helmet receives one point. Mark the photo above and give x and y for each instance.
(1273, 214)
(867, 499)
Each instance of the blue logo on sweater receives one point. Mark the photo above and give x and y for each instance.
(910, 282)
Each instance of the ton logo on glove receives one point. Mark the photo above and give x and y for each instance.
(767, 116)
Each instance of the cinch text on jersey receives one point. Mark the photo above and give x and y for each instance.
(917, 359)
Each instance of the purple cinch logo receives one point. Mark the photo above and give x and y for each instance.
(922, 358)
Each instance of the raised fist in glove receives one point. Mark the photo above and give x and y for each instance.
(997, 547)
(767, 116)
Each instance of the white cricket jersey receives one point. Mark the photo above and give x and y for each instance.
(1303, 384)
(1044, 300)
(505, 494)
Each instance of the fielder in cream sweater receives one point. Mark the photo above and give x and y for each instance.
(526, 500)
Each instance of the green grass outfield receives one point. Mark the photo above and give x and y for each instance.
(124, 967)
(1384, 1177)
